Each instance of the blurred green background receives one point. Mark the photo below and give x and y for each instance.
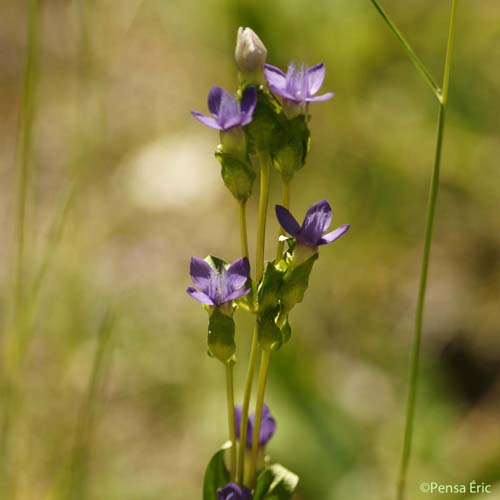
(124, 188)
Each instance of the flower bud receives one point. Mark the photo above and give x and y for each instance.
(250, 55)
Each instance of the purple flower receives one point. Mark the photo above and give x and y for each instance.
(311, 233)
(234, 492)
(226, 111)
(217, 287)
(267, 426)
(299, 85)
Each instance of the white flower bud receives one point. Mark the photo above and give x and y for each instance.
(250, 53)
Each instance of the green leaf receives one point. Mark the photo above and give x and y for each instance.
(290, 153)
(216, 474)
(268, 332)
(221, 336)
(265, 125)
(268, 292)
(237, 174)
(295, 283)
(286, 331)
(275, 483)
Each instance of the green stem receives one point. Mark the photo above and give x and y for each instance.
(247, 392)
(243, 229)
(285, 201)
(261, 390)
(419, 65)
(265, 169)
(431, 209)
(230, 417)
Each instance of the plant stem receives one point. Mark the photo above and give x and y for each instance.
(247, 392)
(230, 417)
(265, 169)
(431, 209)
(261, 389)
(285, 201)
(243, 229)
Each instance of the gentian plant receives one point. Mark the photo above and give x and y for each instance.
(263, 127)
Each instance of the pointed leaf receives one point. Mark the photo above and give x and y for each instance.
(268, 332)
(275, 483)
(221, 336)
(270, 284)
(238, 175)
(216, 474)
(295, 283)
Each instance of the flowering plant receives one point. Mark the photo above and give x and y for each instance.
(264, 126)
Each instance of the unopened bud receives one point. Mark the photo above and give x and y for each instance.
(250, 55)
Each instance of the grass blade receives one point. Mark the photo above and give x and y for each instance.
(419, 316)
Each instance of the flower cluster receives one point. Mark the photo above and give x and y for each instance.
(262, 126)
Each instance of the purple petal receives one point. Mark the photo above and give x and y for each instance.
(284, 93)
(201, 273)
(317, 220)
(319, 98)
(265, 411)
(334, 235)
(287, 221)
(281, 92)
(237, 294)
(214, 99)
(275, 78)
(206, 120)
(229, 111)
(316, 76)
(232, 491)
(237, 420)
(267, 427)
(234, 121)
(245, 493)
(297, 82)
(248, 101)
(267, 430)
(237, 273)
(246, 119)
(200, 296)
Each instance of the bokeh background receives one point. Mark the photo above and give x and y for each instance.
(117, 398)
